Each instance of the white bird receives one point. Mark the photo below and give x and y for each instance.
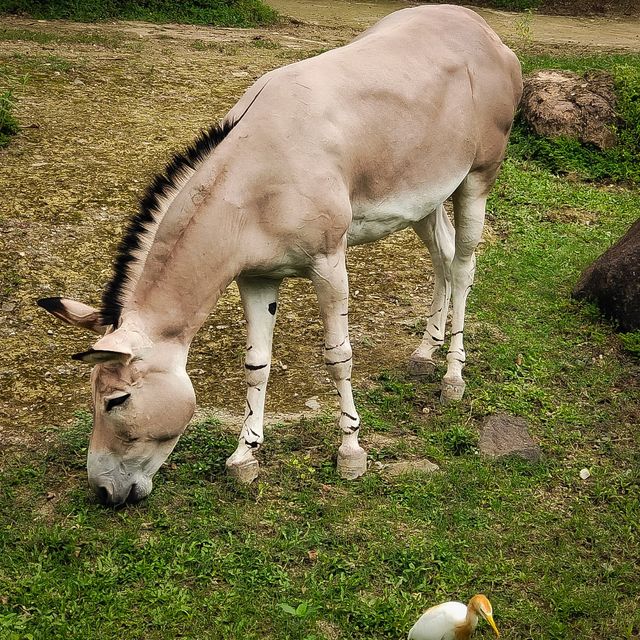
(453, 620)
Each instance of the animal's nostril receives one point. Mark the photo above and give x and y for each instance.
(135, 495)
(104, 495)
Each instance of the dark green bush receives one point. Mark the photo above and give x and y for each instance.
(236, 13)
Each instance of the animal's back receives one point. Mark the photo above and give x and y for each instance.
(426, 94)
(438, 623)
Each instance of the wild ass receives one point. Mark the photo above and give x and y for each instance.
(336, 150)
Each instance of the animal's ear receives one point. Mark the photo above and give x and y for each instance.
(101, 356)
(113, 348)
(74, 313)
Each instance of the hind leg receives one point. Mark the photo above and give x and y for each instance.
(469, 202)
(436, 231)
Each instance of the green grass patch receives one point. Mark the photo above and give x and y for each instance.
(9, 126)
(8, 123)
(563, 156)
(631, 342)
(303, 555)
(230, 13)
(45, 37)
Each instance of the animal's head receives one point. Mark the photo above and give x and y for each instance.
(142, 402)
(482, 607)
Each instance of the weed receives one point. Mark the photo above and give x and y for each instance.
(9, 127)
(524, 30)
(459, 440)
(631, 342)
(265, 43)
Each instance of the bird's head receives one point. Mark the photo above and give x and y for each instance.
(480, 604)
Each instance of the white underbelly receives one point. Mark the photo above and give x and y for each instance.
(372, 221)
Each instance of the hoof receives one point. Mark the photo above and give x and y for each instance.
(421, 366)
(452, 390)
(353, 464)
(245, 472)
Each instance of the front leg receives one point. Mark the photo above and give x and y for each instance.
(329, 277)
(259, 299)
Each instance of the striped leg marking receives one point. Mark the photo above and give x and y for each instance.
(437, 234)
(469, 211)
(330, 281)
(259, 299)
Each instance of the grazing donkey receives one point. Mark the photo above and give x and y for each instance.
(336, 150)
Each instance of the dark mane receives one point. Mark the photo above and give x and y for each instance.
(145, 221)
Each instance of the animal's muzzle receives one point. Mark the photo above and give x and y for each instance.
(128, 495)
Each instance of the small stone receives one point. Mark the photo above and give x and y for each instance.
(585, 474)
(504, 435)
(410, 466)
(313, 404)
(78, 82)
(8, 306)
(50, 332)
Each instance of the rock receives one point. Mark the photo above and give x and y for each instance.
(410, 466)
(8, 306)
(504, 435)
(585, 474)
(313, 404)
(562, 103)
(613, 281)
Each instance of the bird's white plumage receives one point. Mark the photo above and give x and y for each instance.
(439, 622)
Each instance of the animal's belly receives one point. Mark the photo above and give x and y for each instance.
(372, 221)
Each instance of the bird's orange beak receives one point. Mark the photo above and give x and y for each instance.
(489, 618)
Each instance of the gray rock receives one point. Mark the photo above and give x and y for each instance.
(505, 435)
(313, 404)
(410, 466)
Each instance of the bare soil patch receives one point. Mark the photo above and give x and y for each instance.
(101, 117)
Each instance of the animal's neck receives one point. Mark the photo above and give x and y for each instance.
(464, 631)
(196, 253)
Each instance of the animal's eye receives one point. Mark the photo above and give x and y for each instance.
(114, 402)
(165, 438)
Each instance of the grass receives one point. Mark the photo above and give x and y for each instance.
(621, 163)
(9, 84)
(229, 13)
(302, 554)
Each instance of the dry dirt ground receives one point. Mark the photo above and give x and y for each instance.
(103, 107)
